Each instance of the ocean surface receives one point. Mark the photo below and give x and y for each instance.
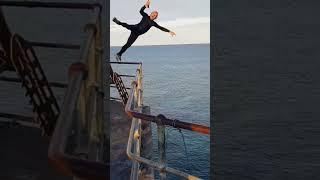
(176, 84)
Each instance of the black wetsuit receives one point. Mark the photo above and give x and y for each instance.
(138, 29)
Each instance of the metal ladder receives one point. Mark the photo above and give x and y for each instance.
(117, 80)
(28, 68)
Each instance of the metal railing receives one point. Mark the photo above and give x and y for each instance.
(82, 117)
(134, 108)
(78, 143)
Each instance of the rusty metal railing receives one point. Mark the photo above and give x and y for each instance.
(134, 108)
(136, 90)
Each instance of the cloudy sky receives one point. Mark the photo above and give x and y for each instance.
(189, 19)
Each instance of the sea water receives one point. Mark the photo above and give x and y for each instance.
(176, 83)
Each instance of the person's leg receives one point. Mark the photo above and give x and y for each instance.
(132, 38)
(128, 26)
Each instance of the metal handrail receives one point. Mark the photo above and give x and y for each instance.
(133, 109)
(68, 164)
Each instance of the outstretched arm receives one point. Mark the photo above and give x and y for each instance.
(144, 7)
(163, 29)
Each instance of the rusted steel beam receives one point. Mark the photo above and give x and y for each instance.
(65, 5)
(169, 122)
(17, 80)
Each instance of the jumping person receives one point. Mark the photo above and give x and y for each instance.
(142, 27)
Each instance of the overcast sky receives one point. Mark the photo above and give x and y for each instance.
(189, 19)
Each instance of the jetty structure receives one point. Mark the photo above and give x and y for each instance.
(75, 134)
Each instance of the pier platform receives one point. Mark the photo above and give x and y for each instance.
(120, 128)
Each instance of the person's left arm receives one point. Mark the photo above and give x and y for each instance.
(163, 29)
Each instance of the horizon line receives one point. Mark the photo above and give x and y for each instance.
(163, 44)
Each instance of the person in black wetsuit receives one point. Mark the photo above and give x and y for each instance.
(138, 29)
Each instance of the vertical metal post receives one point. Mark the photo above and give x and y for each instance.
(161, 146)
(100, 83)
(140, 76)
(138, 127)
(135, 165)
(146, 146)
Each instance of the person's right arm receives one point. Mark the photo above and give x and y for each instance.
(142, 11)
(144, 7)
